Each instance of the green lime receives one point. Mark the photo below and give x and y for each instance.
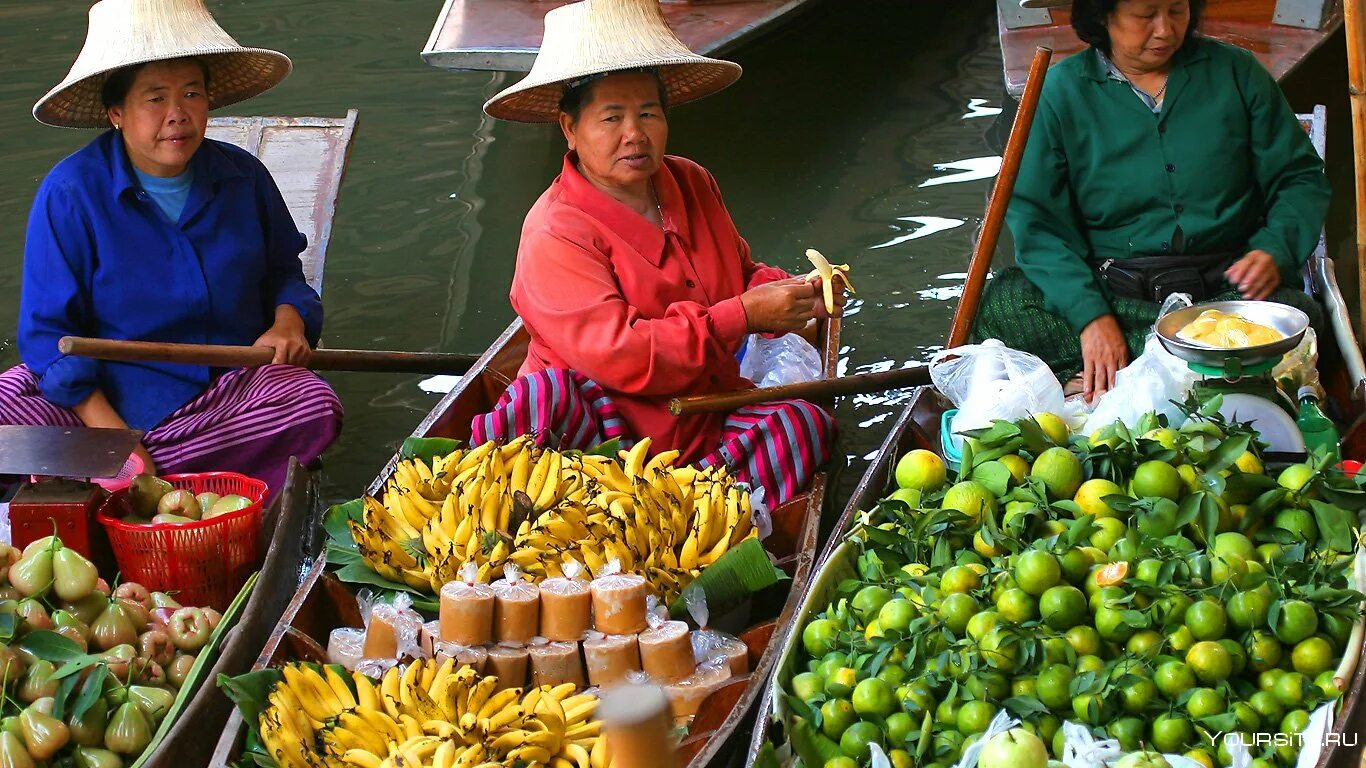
(896, 615)
(1327, 683)
(819, 637)
(874, 697)
(1267, 706)
(841, 682)
(1292, 689)
(988, 684)
(836, 716)
(1052, 685)
(974, 717)
(1173, 678)
(1300, 523)
(1210, 662)
(1062, 607)
(1158, 478)
(1205, 702)
(1297, 621)
(1135, 697)
(1017, 606)
(1128, 731)
(869, 600)
(1146, 644)
(1247, 610)
(956, 610)
(921, 470)
(1264, 651)
(1060, 471)
(1090, 708)
(982, 623)
(1236, 654)
(854, 743)
(900, 726)
(1171, 733)
(959, 578)
(807, 686)
(841, 762)
(971, 498)
(1037, 571)
(1084, 640)
(1206, 620)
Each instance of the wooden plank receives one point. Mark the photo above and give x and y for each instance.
(504, 35)
(1245, 23)
(307, 157)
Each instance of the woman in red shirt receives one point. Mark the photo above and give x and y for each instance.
(631, 278)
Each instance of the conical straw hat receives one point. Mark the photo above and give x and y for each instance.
(126, 32)
(597, 36)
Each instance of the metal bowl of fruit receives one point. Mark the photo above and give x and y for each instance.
(1228, 334)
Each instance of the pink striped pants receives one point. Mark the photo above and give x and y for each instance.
(250, 420)
(777, 446)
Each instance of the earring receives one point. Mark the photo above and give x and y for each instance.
(116, 126)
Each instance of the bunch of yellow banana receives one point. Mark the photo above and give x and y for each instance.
(430, 714)
(542, 509)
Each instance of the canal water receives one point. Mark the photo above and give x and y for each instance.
(858, 129)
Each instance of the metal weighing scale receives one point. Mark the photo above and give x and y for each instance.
(1243, 376)
(65, 457)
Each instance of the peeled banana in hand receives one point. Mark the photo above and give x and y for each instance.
(827, 273)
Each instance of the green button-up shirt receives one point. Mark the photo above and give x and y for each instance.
(1223, 166)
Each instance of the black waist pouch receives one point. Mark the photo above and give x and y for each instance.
(1154, 278)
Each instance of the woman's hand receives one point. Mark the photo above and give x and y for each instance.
(841, 298)
(1103, 353)
(1255, 275)
(782, 306)
(286, 336)
(149, 467)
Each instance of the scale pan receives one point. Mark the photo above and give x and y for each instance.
(1286, 319)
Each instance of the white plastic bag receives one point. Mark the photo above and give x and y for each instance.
(1150, 383)
(990, 381)
(786, 359)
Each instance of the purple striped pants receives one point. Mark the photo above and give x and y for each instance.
(777, 446)
(249, 420)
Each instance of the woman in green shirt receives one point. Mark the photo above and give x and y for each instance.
(1160, 145)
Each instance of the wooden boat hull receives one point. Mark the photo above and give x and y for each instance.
(504, 35)
(322, 603)
(1249, 24)
(918, 426)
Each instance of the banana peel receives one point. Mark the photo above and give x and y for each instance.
(827, 273)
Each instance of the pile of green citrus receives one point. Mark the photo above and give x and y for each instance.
(1156, 586)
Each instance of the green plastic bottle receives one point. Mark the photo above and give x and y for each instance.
(1318, 430)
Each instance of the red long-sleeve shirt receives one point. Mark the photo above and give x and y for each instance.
(648, 313)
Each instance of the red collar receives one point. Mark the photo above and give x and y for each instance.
(638, 231)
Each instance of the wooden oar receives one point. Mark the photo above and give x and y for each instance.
(963, 316)
(1354, 23)
(223, 356)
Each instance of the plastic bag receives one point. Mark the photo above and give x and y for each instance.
(1001, 723)
(1149, 384)
(786, 359)
(990, 381)
(1300, 368)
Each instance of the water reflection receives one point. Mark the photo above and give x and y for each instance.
(825, 151)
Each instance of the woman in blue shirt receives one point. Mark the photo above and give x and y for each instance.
(153, 232)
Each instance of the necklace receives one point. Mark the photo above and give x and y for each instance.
(659, 209)
(1158, 96)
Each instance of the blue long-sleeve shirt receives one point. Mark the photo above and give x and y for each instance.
(101, 260)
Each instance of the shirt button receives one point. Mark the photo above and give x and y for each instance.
(690, 283)
(1171, 168)
(1162, 128)
(1179, 207)
(1166, 246)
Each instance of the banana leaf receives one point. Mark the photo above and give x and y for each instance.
(739, 573)
(203, 663)
(427, 448)
(250, 692)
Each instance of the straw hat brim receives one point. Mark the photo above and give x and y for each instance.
(686, 78)
(235, 74)
(1044, 3)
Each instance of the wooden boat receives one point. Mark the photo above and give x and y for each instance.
(1344, 378)
(307, 157)
(322, 603)
(1282, 33)
(504, 35)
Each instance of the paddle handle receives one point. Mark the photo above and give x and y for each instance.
(966, 313)
(825, 389)
(224, 356)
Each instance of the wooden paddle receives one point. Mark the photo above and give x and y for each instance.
(223, 356)
(1354, 23)
(963, 316)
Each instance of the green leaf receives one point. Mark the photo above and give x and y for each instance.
(64, 690)
(813, 747)
(994, 475)
(250, 692)
(74, 666)
(1335, 525)
(608, 449)
(1227, 453)
(741, 572)
(1025, 707)
(361, 573)
(90, 691)
(52, 647)
(1211, 406)
(335, 521)
(427, 448)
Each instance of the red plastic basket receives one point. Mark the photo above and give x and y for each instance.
(204, 563)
